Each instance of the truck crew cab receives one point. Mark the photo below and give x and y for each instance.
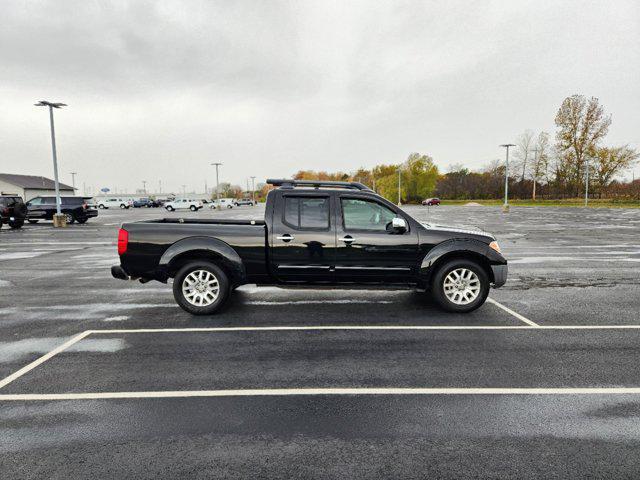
(314, 233)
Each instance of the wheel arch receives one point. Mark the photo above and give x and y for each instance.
(204, 248)
(467, 249)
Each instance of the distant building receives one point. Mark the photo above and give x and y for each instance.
(29, 186)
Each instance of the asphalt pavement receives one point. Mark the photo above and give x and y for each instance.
(540, 383)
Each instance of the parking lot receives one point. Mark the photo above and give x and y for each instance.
(541, 382)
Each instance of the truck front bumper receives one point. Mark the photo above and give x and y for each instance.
(118, 272)
(499, 275)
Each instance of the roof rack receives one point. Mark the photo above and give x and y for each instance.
(282, 183)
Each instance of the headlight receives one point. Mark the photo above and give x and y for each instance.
(495, 246)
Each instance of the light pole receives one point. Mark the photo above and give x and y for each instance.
(505, 207)
(217, 164)
(184, 190)
(586, 183)
(144, 186)
(253, 190)
(399, 184)
(73, 181)
(44, 103)
(535, 172)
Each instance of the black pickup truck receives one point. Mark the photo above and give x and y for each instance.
(314, 233)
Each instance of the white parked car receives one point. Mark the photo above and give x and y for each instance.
(224, 203)
(183, 204)
(115, 202)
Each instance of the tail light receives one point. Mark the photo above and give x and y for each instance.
(123, 241)
(84, 206)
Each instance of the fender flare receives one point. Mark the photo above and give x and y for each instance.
(469, 247)
(213, 247)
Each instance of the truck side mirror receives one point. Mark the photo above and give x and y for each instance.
(399, 225)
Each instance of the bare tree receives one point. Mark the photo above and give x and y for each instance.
(581, 125)
(524, 152)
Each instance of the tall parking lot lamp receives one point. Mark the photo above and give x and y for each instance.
(505, 207)
(43, 103)
(217, 164)
(253, 190)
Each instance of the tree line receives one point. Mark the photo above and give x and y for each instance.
(540, 167)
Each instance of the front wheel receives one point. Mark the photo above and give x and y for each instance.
(70, 218)
(193, 208)
(460, 286)
(201, 288)
(169, 208)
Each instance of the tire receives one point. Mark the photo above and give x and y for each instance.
(101, 207)
(82, 221)
(460, 300)
(229, 206)
(200, 269)
(193, 208)
(32, 221)
(170, 208)
(123, 206)
(17, 224)
(70, 218)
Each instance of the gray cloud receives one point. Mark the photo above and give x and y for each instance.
(157, 90)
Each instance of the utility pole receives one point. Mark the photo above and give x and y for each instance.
(217, 164)
(184, 190)
(144, 186)
(159, 187)
(73, 181)
(535, 170)
(59, 221)
(505, 207)
(399, 185)
(253, 190)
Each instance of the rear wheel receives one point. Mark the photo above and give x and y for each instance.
(170, 208)
(101, 206)
(16, 224)
(201, 288)
(193, 208)
(123, 206)
(82, 220)
(460, 286)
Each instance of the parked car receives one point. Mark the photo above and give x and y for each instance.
(336, 233)
(13, 211)
(431, 201)
(115, 202)
(144, 202)
(75, 209)
(223, 202)
(183, 204)
(243, 201)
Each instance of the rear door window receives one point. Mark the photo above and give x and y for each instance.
(306, 212)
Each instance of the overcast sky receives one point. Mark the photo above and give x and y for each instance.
(159, 90)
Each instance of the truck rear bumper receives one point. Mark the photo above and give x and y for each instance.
(499, 275)
(118, 272)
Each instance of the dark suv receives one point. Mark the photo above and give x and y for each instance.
(74, 208)
(13, 211)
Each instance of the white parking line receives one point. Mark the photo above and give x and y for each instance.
(43, 358)
(321, 391)
(511, 312)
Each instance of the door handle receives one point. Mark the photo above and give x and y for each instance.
(347, 239)
(286, 237)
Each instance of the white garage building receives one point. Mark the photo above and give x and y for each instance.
(29, 186)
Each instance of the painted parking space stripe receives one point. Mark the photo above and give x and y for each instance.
(320, 391)
(511, 312)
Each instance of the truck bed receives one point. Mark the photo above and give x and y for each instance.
(206, 221)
